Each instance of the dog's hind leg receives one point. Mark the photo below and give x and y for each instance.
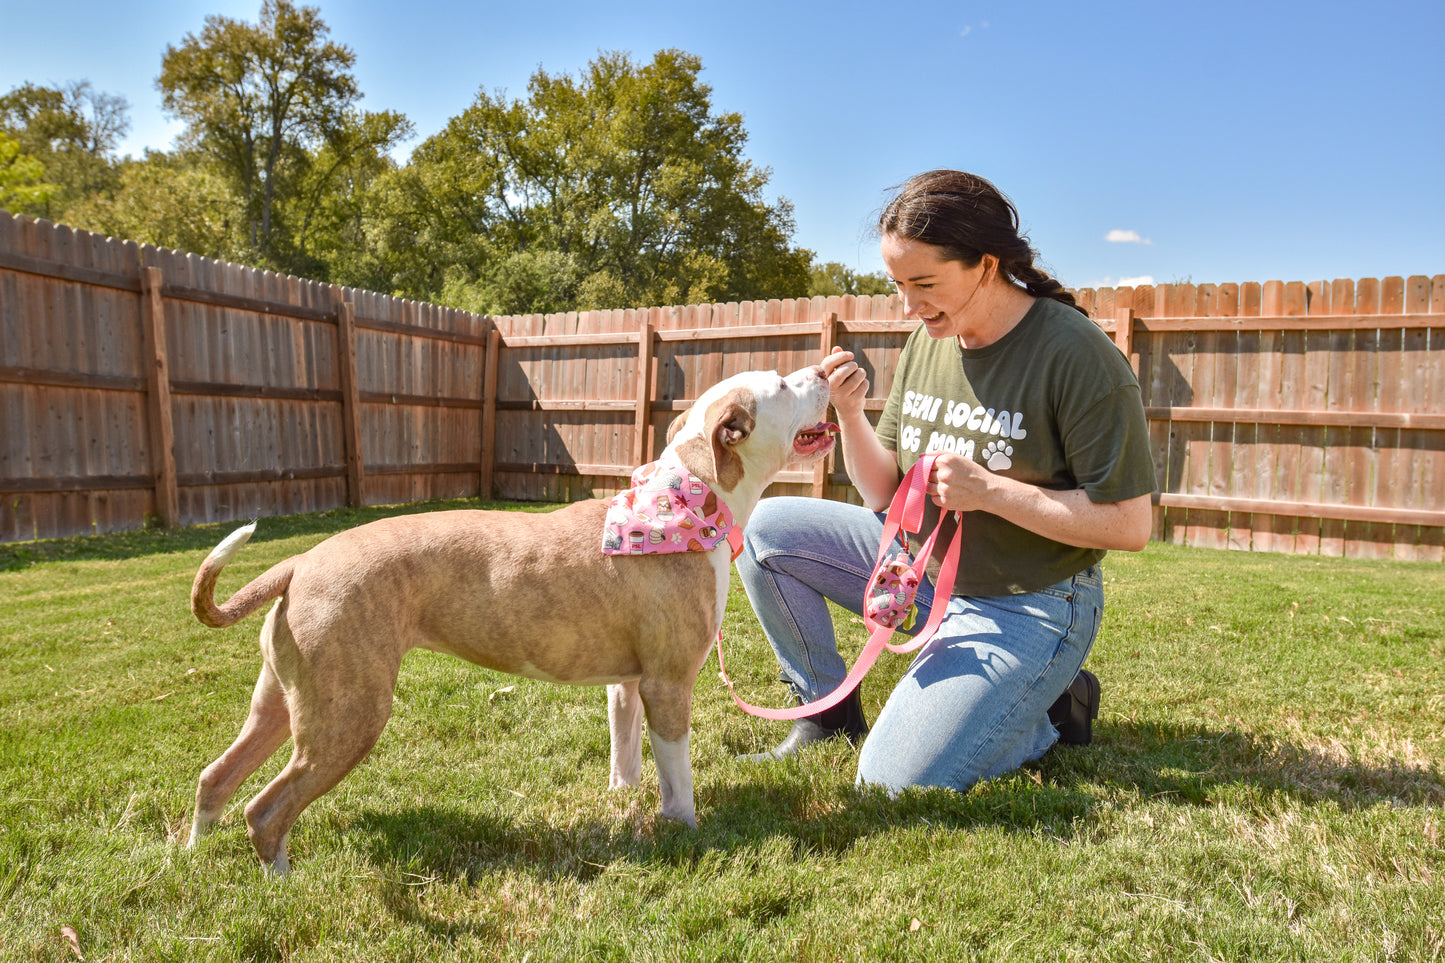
(332, 731)
(624, 721)
(266, 727)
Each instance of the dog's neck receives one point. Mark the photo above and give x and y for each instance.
(741, 499)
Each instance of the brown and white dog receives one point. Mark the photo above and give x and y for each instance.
(642, 625)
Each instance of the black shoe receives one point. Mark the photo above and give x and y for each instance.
(1074, 712)
(844, 719)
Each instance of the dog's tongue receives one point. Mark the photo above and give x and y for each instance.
(821, 429)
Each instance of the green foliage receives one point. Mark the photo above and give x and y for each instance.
(335, 206)
(833, 279)
(21, 184)
(71, 132)
(1266, 783)
(619, 187)
(272, 106)
(177, 200)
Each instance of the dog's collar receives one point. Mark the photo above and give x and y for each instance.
(668, 509)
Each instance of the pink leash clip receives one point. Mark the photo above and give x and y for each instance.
(888, 599)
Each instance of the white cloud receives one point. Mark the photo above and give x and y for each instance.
(1117, 236)
(1122, 282)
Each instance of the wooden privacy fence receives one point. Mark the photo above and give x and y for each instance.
(1294, 417)
(138, 383)
(1283, 416)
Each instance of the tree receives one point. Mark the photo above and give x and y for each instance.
(21, 184)
(617, 187)
(72, 132)
(333, 207)
(835, 278)
(272, 104)
(173, 200)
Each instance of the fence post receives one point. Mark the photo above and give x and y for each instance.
(641, 440)
(824, 466)
(1124, 333)
(489, 413)
(350, 400)
(158, 397)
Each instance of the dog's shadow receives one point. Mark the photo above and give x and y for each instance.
(1128, 764)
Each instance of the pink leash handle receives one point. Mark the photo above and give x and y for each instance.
(905, 513)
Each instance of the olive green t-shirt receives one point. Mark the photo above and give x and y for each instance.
(1052, 403)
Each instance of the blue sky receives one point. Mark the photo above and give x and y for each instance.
(1230, 141)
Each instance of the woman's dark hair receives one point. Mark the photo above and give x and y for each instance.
(967, 217)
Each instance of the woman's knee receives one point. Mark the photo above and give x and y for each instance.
(968, 760)
(810, 527)
(774, 525)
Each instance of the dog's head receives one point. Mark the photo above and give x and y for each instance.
(743, 430)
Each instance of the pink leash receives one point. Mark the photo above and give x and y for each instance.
(905, 514)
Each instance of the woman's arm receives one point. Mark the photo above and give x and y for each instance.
(961, 484)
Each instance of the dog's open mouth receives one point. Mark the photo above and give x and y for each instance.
(811, 441)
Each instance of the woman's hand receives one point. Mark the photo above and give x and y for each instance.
(847, 384)
(873, 469)
(959, 484)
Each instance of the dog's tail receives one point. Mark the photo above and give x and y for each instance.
(269, 585)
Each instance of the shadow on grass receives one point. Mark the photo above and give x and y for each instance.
(203, 538)
(1129, 765)
(1204, 767)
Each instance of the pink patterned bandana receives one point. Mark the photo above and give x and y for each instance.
(667, 509)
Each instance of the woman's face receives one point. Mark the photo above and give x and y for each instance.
(936, 291)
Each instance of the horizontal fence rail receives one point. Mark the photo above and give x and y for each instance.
(142, 385)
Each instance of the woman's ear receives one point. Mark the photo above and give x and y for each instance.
(990, 267)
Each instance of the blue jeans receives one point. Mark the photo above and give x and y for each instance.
(974, 703)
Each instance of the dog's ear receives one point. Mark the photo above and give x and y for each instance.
(729, 420)
(677, 423)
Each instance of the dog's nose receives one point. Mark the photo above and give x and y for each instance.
(809, 378)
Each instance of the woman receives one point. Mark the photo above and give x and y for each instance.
(1045, 451)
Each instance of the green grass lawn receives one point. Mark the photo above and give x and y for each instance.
(1266, 783)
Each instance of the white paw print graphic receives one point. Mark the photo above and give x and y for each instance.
(996, 456)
